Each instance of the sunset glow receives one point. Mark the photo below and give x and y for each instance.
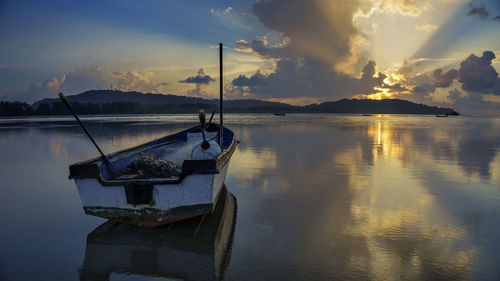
(364, 49)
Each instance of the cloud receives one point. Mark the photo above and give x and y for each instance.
(319, 29)
(201, 78)
(225, 11)
(261, 48)
(475, 75)
(446, 95)
(405, 7)
(406, 69)
(232, 19)
(258, 79)
(138, 81)
(369, 70)
(319, 45)
(426, 27)
(478, 10)
(478, 75)
(243, 46)
(48, 88)
(85, 78)
(321, 51)
(464, 102)
(305, 77)
(359, 47)
(443, 80)
(199, 91)
(473, 88)
(324, 54)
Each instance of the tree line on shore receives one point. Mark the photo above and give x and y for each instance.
(17, 108)
(346, 106)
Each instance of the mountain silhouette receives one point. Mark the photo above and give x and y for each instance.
(112, 101)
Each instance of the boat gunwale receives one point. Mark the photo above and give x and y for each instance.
(87, 169)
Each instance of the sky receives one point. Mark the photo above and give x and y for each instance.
(437, 52)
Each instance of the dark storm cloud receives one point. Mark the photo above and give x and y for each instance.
(408, 68)
(475, 81)
(478, 75)
(260, 47)
(442, 79)
(317, 35)
(478, 10)
(258, 79)
(473, 103)
(201, 78)
(308, 77)
(318, 29)
(368, 70)
(396, 88)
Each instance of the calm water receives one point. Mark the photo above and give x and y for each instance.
(319, 197)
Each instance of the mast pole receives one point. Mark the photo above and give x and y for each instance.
(221, 129)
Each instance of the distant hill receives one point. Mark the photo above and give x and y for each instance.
(386, 106)
(109, 96)
(117, 102)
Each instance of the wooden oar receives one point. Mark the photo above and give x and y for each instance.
(104, 158)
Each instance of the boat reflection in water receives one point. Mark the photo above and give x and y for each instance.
(193, 249)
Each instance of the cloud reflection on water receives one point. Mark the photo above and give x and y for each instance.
(362, 196)
(320, 197)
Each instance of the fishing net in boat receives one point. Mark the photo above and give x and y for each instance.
(148, 166)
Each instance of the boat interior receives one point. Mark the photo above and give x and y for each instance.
(175, 148)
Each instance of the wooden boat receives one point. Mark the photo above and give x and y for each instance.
(279, 114)
(193, 249)
(107, 190)
(155, 201)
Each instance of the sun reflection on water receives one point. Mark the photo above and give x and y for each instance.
(393, 208)
(320, 196)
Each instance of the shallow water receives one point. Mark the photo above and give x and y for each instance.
(319, 197)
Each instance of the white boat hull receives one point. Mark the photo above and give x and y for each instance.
(195, 195)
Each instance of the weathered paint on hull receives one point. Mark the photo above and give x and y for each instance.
(194, 196)
(150, 217)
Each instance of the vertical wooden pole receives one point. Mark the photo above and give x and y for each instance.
(221, 133)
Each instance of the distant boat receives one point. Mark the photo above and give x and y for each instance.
(279, 114)
(155, 201)
(194, 249)
(441, 115)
